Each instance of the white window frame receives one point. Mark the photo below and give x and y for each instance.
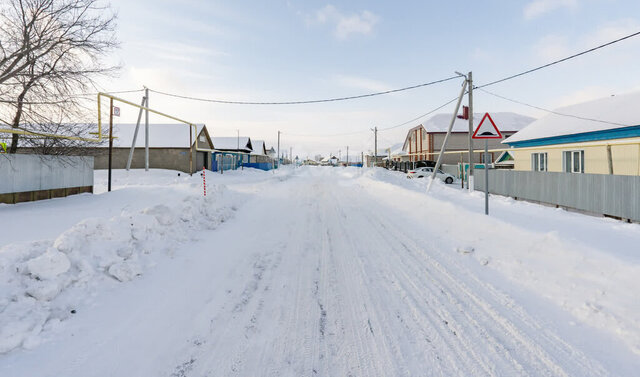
(539, 161)
(575, 160)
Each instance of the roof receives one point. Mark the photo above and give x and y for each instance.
(160, 135)
(505, 121)
(622, 110)
(259, 147)
(231, 143)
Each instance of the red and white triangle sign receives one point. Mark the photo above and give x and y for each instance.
(487, 129)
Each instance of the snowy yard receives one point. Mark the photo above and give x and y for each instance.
(312, 271)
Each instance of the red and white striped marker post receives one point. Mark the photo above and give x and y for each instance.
(204, 182)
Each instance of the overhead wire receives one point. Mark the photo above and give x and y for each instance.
(336, 99)
(551, 111)
(559, 60)
(69, 98)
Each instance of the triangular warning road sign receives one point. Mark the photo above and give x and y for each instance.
(487, 130)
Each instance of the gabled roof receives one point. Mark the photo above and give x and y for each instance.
(612, 115)
(409, 134)
(505, 158)
(258, 147)
(160, 135)
(231, 143)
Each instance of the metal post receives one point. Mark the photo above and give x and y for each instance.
(470, 172)
(486, 176)
(375, 146)
(146, 131)
(347, 155)
(135, 133)
(609, 159)
(110, 140)
(444, 143)
(278, 149)
(190, 150)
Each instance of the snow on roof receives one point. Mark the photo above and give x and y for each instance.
(231, 143)
(258, 147)
(160, 135)
(621, 109)
(505, 121)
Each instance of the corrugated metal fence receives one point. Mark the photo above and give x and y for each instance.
(25, 173)
(613, 195)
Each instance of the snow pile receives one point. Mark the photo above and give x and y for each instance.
(42, 283)
(585, 265)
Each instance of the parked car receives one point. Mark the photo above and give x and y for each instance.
(425, 164)
(425, 172)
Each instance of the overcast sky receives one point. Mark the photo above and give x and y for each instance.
(297, 50)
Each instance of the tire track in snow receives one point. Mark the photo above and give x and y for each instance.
(537, 357)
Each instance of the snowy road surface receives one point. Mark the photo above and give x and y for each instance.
(320, 274)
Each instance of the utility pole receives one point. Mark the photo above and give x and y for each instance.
(362, 159)
(238, 150)
(146, 131)
(446, 137)
(135, 133)
(347, 155)
(470, 172)
(291, 155)
(339, 156)
(110, 140)
(278, 149)
(375, 146)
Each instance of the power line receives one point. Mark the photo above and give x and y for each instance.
(559, 61)
(552, 111)
(70, 98)
(419, 117)
(307, 101)
(379, 129)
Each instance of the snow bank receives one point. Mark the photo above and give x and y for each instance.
(586, 265)
(43, 283)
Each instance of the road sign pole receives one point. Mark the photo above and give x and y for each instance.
(486, 131)
(486, 176)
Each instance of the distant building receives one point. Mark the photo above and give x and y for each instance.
(602, 137)
(230, 152)
(424, 142)
(258, 158)
(169, 148)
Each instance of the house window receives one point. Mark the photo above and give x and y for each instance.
(573, 161)
(538, 161)
(202, 139)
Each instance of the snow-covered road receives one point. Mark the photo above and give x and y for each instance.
(316, 275)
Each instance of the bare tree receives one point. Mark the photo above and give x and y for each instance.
(50, 51)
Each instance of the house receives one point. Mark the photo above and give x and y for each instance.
(597, 137)
(230, 152)
(424, 141)
(169, 147)
(259, 158)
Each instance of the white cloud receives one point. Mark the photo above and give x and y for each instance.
(551, 47)
(345, 25)
(539, 7)
(612, 30)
